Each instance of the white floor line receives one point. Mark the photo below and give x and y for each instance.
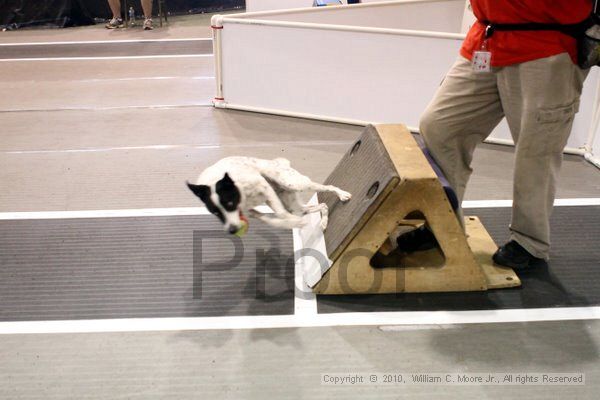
(147, 78)
(301, 321)
(150, 78)
(105, 58)
(150, 106)
(124, 148)
(105, 41)
(160, 212)
(178, 146)
(125, 213)
(140, 212)
(305, 301)
(592, 201)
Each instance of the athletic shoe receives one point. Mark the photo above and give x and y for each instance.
(148, 24)
(114, 23)
(513, 255)
(419, 239)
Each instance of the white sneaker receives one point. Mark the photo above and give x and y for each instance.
(148, 24)
(114, 23)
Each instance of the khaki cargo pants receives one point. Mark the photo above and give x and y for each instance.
(539, 100)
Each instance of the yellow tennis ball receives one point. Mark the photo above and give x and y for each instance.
(243, 229)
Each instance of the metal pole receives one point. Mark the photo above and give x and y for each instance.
(160, 15)
(125, 12)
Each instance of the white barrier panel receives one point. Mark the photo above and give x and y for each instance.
(344, 73)
(593, 154)
(347, 76)
(468, 18)
(366, 63)
(422, 15)
(268, 5)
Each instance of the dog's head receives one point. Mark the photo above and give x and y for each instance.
(223, 200)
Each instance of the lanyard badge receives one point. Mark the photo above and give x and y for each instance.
(482, 59)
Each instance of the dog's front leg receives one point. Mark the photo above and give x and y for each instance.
(317, 187)
(272, 220)
(306, 185)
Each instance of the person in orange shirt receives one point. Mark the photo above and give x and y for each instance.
(531, 78)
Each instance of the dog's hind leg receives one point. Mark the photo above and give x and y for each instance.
(322, 208)
(273, 201)
(291, 201)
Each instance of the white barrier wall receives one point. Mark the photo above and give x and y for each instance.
(329, 74)
(468, 18)
(367, 63)
(429, 15)
(594, 156)
(268, 5)
(345, 73)
(594, 149)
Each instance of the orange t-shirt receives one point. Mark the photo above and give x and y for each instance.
(512, 47)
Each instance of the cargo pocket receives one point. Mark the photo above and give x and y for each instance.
(554, 126)
(558, 114)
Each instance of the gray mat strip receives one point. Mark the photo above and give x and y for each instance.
(149, 48)
(572, 278)
(141, 267)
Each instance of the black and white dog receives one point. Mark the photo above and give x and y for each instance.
(236, 185)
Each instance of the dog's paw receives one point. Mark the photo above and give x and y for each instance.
(344, 196)
(324, 222)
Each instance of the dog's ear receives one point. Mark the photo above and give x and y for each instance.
(227, 180)
(201, 191)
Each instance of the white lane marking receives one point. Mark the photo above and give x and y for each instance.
(207, 104)
(147, 78)
(104, 58)
(409, 328)
(293, 321)
(158, 212)
(305, 301)
(150, 78)
(103, 149)
(105, 41)
(180, 146)
(486, 203)
(135, 212)
(592, 201)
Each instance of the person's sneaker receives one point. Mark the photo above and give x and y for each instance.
(148, 24)
(513, 255)
(114, 23)
(419, 239)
